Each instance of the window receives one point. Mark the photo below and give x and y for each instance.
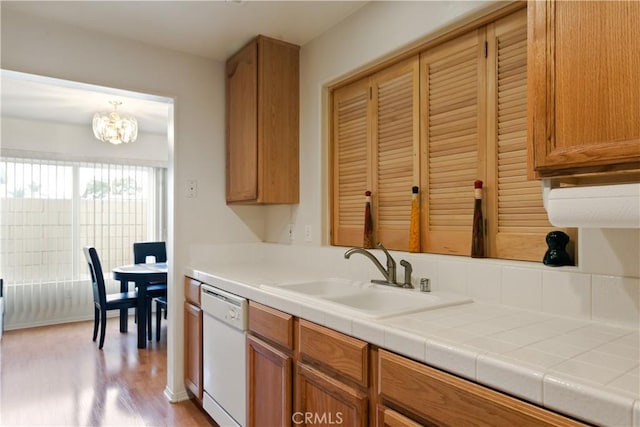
(51, 209)
(460, 116)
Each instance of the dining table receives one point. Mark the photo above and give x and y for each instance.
(142, 275)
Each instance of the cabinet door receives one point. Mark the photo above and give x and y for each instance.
(453, 85)
(278, 121)
(322, 400)
(193, 349)
(242, 134)
(269, 374)
(517, 220)
(396, 145)
(351, 162)
(584, 86)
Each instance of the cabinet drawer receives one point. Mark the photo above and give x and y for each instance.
(446, 400)
(271, 324)
(339, 353)
(389, 418)
(192, 291)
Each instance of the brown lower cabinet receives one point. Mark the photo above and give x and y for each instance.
(269, 367)
(193, 338)
(434, 397)
(332, 377)
(387, 417)
(270, 376)
(323, 400)
(301, 373)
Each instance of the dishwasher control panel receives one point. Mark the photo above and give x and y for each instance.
(224, 306)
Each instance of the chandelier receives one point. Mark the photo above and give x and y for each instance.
(113, 127)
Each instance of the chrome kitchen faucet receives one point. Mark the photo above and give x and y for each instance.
(390, 273)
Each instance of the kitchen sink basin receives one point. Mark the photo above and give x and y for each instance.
(365, 299)
(323, 288)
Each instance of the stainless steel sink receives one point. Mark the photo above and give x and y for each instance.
(364, 299)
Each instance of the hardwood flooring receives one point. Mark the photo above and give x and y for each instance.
(56, 376)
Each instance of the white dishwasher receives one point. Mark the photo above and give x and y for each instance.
(224, 356)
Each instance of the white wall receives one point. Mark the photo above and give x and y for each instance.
(377, 30)
(36, 46)
(77, 142)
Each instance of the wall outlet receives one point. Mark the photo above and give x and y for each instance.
(192, 188)
(307, 233)
(290, 228)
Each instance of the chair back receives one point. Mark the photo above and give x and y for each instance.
(97, 278)
(142, 250)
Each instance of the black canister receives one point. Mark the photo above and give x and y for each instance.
(556, 255)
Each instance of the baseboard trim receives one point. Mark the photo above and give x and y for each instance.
(175, 397)
(48, 322)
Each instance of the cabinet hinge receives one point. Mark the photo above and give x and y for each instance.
(370, 93)
(486, 49)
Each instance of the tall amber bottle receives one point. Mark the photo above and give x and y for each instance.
(477, 233)
(414, 225)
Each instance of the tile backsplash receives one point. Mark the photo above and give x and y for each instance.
(563, 291)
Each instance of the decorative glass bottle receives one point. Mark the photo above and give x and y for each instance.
(414, 226)
(477, 233)
(368, 222)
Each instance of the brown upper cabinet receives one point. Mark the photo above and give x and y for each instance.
(262, 147)
(584, 87)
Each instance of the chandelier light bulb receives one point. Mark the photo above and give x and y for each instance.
(113, 127)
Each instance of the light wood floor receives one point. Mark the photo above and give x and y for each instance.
(56, 376)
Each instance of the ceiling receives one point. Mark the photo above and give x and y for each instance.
(211, 29)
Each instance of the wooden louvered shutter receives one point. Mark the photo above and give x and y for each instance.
(452, 83)
(351, 162)
(517, 220)
(396, 142)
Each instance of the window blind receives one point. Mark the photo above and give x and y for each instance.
(49, 210)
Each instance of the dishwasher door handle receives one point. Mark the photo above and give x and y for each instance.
(237, 302)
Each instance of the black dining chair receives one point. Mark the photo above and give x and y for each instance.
(161, 304)
(141, 251)
(101, 300)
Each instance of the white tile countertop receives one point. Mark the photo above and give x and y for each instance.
(582, 368)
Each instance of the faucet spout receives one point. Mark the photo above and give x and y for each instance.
(391, 264)
(389, 274)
